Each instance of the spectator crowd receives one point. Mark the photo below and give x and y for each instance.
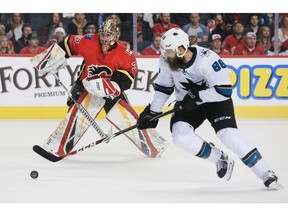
(226, 34)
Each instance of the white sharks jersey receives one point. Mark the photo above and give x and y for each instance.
(206, 69)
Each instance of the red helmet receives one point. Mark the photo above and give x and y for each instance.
(108, 34)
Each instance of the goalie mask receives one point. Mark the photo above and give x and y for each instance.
(108, 34)
(173, 39)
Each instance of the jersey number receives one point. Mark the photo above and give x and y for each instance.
(217, 65)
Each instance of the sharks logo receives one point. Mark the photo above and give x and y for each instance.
(205, 52)
(201, 85)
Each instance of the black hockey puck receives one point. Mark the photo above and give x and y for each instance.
(34, 174)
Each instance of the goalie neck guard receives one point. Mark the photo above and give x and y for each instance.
(108, 34)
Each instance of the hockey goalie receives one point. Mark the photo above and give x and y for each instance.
(108, 69)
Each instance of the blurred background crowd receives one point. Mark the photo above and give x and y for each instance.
(226, 34)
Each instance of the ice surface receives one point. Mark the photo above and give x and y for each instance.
(118, 172)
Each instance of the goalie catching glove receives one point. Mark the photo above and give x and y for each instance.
(102, 88)
(145, 117)
(50, 61)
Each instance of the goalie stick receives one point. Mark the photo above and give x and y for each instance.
(53, 158)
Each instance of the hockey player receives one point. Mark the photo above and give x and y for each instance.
(203, 91)
(107, 71)
(106, 62)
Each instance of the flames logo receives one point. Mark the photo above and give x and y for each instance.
(99, 71)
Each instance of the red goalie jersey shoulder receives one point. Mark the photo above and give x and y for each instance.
(89, 47)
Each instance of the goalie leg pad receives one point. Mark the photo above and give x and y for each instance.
(73, 126)
(151, 143)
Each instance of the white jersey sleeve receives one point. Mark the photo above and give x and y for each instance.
(164, 86)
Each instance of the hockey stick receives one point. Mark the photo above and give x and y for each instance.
(53, 158)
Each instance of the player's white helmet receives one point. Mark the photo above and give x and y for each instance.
(174, 38)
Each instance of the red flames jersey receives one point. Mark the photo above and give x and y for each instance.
(231, 42)
(160, 29)
(222, 52)
(150, 51)
(98, 64)
(242, 50)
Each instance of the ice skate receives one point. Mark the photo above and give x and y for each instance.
(225, 167)
(270, 180)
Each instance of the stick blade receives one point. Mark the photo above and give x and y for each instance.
(42, 152)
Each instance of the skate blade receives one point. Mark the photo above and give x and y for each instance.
(229, 172)
(276, 185)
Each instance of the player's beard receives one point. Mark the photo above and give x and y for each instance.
(176, 63)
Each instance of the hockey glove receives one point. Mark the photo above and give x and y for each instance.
(145, 117)
(188, 103)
